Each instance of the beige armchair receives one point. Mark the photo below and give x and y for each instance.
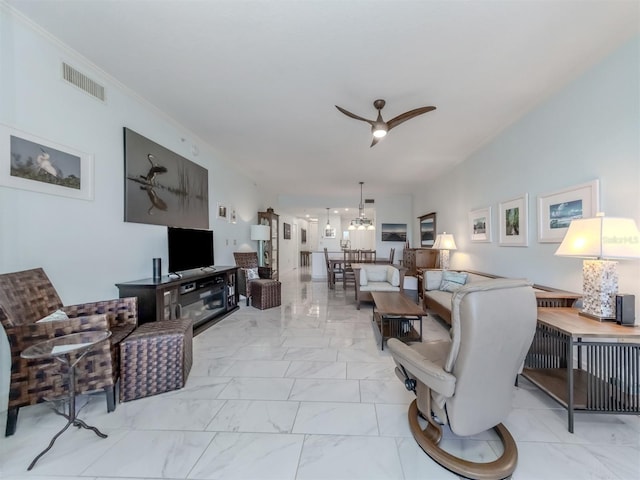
(28, 296)
(467, 382)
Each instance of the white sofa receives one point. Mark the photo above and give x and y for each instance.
(376, 278)
(437, 297)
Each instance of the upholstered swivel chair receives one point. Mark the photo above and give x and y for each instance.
(249, 261)
(28, 296)
(467, 382)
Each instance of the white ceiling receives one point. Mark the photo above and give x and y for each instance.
(258, 80)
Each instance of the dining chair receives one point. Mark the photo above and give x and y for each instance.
(348, 276)
(367, 256)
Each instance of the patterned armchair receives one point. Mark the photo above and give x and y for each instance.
(248, 260)
(26, 297)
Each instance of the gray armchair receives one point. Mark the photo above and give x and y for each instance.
(467, 382)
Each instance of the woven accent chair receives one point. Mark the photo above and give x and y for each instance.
(28, 296)
(467, 381)
(246, 260)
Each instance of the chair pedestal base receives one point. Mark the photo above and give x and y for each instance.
(429, 438)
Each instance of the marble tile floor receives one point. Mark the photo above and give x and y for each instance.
(302, 392)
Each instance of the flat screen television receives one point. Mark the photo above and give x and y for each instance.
(189, 249)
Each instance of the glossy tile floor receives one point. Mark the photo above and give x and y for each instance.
(302, 392)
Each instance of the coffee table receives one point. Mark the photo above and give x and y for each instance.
(68, 350)
(396, 316)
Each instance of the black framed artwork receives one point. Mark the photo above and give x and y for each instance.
(286, 231)
(162, 187)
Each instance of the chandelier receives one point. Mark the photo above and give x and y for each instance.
(361, 222)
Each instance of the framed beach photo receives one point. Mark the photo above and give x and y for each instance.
(394, 232)
(513, 220)
(557, 209)
(480, 225)
(32, 163)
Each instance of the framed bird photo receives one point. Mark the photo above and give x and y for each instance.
(162, 187)
(43, 166)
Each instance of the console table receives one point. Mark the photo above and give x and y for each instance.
(585, 365)
(205, 297)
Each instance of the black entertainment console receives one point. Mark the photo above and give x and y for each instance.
(204, 297)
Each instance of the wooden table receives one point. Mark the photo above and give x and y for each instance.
(584, 364)
(399, 313)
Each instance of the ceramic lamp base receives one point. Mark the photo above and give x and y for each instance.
(599, 286)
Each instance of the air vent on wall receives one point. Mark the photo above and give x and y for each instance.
(369, 201)
(80, 80)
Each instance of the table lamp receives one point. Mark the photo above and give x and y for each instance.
(444, 242)
(260, 233)
(599, 240)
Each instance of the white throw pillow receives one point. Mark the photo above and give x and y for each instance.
(376, 273)
(251, 273)
(363, 278)
(54, 317)
(432, 279)
(393, 276)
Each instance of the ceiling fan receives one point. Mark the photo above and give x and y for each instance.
(379, 127)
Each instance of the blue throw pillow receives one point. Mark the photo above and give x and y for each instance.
(452, 281)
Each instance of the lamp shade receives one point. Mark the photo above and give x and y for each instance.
(601, 237)
(260, 232)
(444, 241)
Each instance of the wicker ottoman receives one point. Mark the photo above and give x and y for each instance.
(265, 293)
(155, 358)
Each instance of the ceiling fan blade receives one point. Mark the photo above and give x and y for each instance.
(353, 115)
(374, 141)
(394, 122)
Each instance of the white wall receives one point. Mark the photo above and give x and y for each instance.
(589, 130)
(85, 246)
(392, 208)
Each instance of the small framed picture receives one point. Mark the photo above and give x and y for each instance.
(222, 211)
(514, 219)
(31, 163)
(557, 209)
(286, 231)
(480, 225)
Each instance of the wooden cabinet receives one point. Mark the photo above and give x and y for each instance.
(414, 259)
(205, 298)
(271, 246)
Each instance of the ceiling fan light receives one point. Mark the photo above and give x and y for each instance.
(379, 130)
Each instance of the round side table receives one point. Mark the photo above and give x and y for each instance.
(68, 350)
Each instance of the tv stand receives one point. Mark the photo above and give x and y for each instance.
(204, 297)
